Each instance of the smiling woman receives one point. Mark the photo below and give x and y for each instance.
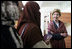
(58, 30)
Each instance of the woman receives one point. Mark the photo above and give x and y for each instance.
(58, 30)
(9, 35)
(30, 23)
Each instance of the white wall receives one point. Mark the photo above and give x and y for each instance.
(66, 7)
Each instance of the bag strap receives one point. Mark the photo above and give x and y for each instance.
(22, 33)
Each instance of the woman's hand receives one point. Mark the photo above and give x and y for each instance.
(51, 32)
(63, 34)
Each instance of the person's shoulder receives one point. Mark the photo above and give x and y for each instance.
(32, 25)
(61, 22)
(33, 28)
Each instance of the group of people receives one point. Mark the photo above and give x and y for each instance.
(28, 33)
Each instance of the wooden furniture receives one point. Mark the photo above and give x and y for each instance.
(68, 42)
(65, 17)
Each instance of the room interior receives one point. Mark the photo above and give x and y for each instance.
(46, 8)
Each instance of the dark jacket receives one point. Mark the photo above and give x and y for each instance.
(31, 36)
(9, 37)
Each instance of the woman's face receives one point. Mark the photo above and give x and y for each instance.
(56, 16)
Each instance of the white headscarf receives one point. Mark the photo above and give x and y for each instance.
(10, 12)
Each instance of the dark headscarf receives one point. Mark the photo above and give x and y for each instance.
(31, 14)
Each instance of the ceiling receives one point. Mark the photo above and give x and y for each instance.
(51, 3)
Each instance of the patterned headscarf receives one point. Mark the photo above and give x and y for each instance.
(9, 12)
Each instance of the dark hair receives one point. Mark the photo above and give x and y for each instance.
(56, 10)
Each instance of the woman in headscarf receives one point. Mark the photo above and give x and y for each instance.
(29, 26)
(9, 35)
(57, 29)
